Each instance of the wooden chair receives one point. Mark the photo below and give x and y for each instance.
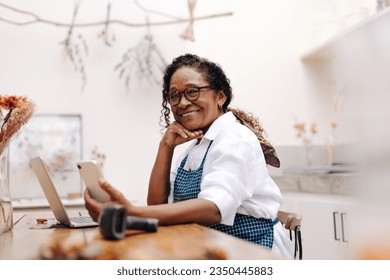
(292, 222)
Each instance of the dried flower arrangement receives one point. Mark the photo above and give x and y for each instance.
(15, 111)
(307, 136)
(19, 111)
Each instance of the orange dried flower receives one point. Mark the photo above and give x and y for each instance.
(12, 102)
(19, 110)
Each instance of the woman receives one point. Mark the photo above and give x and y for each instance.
(221, 180)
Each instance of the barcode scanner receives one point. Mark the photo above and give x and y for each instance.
(113, 222)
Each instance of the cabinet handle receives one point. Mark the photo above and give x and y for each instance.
(335, 226)
(342, 227)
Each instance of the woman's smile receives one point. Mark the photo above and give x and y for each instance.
(189, 114)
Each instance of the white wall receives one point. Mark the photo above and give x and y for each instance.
(259, 48)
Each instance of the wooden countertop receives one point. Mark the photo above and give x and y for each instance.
(29, 240)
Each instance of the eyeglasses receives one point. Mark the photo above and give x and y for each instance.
(191, 94)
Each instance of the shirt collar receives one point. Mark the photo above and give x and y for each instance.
(219, 124)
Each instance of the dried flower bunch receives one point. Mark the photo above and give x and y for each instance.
(306, 134)
(15, 111)
(307, 137)
(144, 60)
(76, 49)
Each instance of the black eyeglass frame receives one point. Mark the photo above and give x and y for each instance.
(186, 94)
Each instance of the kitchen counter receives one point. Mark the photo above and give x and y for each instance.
(333, 183)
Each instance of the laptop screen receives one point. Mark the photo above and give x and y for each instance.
(49, 189)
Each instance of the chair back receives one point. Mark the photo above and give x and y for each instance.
(292, 222)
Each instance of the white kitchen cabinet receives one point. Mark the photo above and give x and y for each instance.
(327, 231)
(370, 34)
(356, 61)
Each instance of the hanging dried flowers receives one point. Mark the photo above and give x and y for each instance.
(76, 49)
(145, 60)
(146, 56)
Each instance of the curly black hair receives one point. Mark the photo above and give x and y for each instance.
(211, 72)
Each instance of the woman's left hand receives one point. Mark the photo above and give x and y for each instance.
(94, 207)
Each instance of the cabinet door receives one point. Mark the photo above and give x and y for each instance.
(324, 230)
(325, 224)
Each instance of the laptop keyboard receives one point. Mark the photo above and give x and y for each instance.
(82, 220)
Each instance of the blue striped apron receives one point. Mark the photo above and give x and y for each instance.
(256, 230)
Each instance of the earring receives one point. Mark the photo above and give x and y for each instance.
(220, 106)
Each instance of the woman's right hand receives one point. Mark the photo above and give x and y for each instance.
(176, 134)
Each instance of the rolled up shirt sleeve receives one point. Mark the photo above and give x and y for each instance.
(227, 177)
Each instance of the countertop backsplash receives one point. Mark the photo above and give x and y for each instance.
(340, 183)
(296, 175)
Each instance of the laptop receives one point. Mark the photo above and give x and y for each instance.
(54, 200)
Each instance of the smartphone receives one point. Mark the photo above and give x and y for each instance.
(90, 173)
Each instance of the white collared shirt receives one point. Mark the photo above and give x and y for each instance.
(235, 176)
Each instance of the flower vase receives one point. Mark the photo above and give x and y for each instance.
(309, 154)
(6, 211)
